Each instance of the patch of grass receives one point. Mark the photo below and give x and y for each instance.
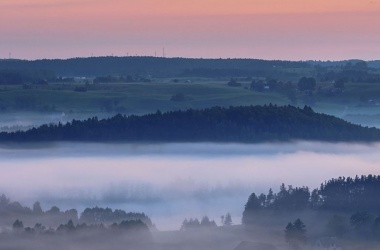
(139, 98)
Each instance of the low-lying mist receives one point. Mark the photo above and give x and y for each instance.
(171, 182)
(14, 121)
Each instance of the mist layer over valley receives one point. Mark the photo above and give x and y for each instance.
(217, 143)
(170, 182)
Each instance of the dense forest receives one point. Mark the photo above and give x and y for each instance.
(22, 227)
(10, 210)
(70, 227)
(131, 233)
(217, 124)
(157, 66)
(171, 67)
(347, 195)
(13, 77)
(352, 206)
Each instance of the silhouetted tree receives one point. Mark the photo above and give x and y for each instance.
(252, 206)
(39, 228)
(362, 222)
(37, 210)
(337, 226)
(227, 220)
(54, 210)
(257, 86)
(4, 201)
(307, 83)
(18, 226)
(67, 228)
(195, 224)
(99, 215)
(206, 222)
(315, 199)
(340, 83)
(233, 83)
(295, 234)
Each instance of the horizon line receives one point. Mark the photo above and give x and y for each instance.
(179, 57)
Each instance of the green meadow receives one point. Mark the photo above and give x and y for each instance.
(130, 97)
(140, 98)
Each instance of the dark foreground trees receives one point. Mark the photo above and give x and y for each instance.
(295, 234)
(307, 83)
(14, 212)
(346, 208)
(98, 215)
(337, 195)
(131, 234)
(195, 224)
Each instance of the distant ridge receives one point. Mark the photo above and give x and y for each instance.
(156, 66)
(247, 124)
(166, 67)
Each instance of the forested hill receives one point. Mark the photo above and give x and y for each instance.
(155, 66)
(235, 124)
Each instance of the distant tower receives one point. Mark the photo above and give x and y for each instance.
(10, 55)
(163, 52)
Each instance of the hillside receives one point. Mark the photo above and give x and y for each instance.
(235, 124)
(155, 66)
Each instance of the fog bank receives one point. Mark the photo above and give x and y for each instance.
(172, 181)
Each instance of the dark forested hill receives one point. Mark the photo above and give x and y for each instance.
(234, 124)
(156, 66)
(374, 64)
(342, 194)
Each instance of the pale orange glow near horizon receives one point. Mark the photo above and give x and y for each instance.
(268, 29)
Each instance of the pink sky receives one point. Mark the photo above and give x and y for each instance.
(267, 29)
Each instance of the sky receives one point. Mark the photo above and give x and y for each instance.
(265, 29)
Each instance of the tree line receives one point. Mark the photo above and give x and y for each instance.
(205, 223)
(156, 66)
(22, 76)
(131, 234)
(10, 210)
(70, 227)
(358, 226)
(346, 195)
(217, 124)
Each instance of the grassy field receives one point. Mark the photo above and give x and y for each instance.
(140, 98)
(129, 98)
